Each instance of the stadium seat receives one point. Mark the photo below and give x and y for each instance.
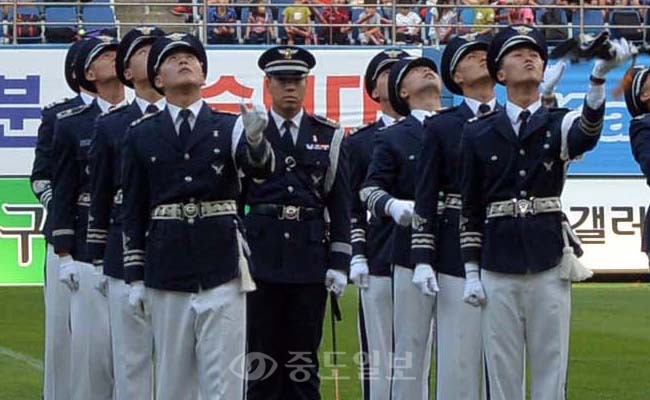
(64, 27)
(592, 17)
(626, 17)
(99, 20)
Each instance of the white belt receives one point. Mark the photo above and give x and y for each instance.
(190, 211)
(451, 200)
(523, 207)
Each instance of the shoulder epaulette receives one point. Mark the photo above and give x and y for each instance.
(73, 111)
(445, 110)
(144, 117)
(487, 114)
(559, 109)
(223, 112)
(114, 110)
(640, 116)
(326, 121)
(360, 128)
(58, 103)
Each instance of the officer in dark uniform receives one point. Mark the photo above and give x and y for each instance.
(388, 192)
(458, 333)
(132, 338)
(56, 383)
(182, 236)
(513, 166)
(637, 99)
(299, 231)
(370, 265)
(91, 349)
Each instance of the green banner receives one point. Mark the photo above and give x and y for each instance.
(22, 245)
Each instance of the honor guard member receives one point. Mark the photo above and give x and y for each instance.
(370, 265)
(91, 349)
(388, 192)
(182, 237)
(132, 338)
(458, 325)
(299, 231)
(513, 166)
(56, 383)
(637, 98)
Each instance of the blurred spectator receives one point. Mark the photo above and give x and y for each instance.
(221, 14)
(259, 29)
(554, 16)
(181, 9)
(518, 15)
(335, 15)
(371, 34)
(443, 27)
(483, 16)
(297, 19)
(386, 9)
(407, 25)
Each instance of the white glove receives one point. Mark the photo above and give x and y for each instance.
(69, 273)
(336, 281)
(474, 293)
(552, 76)
(255, 121)
(622, 51)
(101, 281)
(359, 271)
(425, 279)
(401, 211)
(137, 298)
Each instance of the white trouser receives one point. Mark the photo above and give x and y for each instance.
(92, 359)
(413, 322)
(56, 384)
(132, 340)
(529, 313)
(458, 343)
(200, 342)
(377, 304)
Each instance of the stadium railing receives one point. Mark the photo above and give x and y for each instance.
(97, 17)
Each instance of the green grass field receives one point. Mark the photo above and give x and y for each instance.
(610, 347)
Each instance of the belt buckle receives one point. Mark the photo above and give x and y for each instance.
(190, 210)
(291, 213)
(523, 207)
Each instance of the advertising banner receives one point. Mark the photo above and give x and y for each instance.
(607, 212)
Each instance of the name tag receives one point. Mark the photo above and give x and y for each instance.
(317, 146)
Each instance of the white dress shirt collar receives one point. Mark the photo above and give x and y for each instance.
(421, 115)
(143, 104)
(387, 119)
(105, 106)
(514, 110)
(86, 98)
(175, 111)
(475, 104)
(295, 123)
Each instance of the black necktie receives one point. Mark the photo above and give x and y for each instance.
(185, 129)
(483, 109)
(523, 117)
(151, 108)
(287, 138)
